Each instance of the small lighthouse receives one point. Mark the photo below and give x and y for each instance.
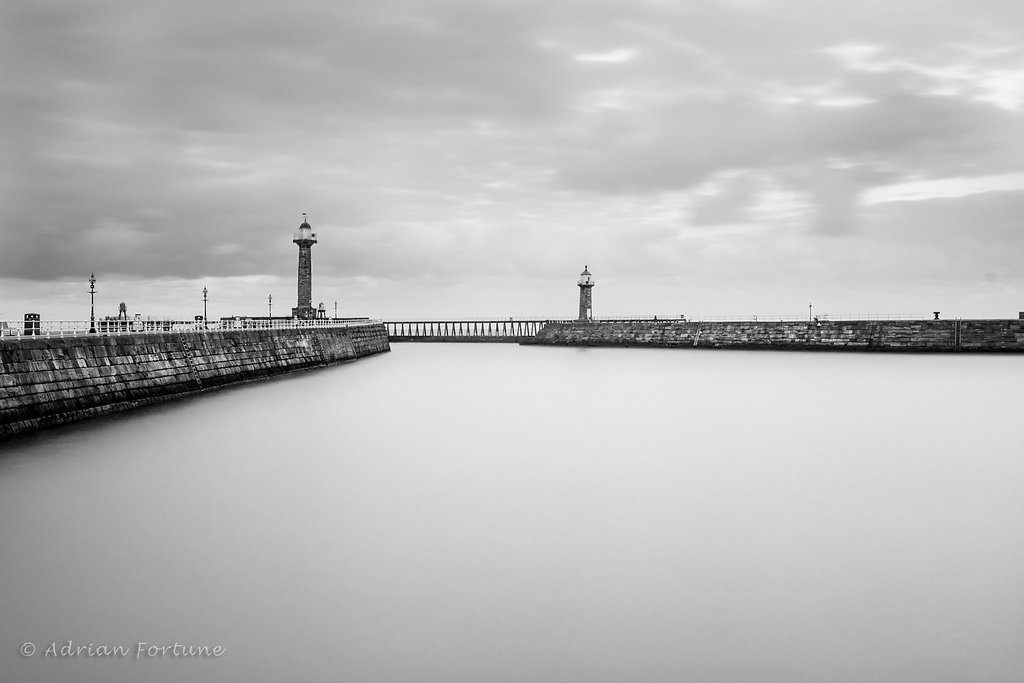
(586, 284)
(305, 238)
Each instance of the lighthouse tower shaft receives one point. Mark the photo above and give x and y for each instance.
(586, 285)
(305, 238)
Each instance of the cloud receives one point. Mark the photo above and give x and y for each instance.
(459, 140)
(619, 56)
(731, 202)
(685, 143)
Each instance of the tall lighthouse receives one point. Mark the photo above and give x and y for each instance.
(305, 238)
(586, 284)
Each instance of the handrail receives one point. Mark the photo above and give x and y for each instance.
(834, 317)
(16, 330)
(481, 319)
(73, 328)
(668, 318)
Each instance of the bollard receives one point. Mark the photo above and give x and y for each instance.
(936, 314)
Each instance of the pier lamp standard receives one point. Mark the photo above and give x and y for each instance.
(270, 305)
(205, 292)
(335, 309)
(810, 311)
(92, 303)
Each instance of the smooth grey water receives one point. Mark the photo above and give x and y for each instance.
(503, 513)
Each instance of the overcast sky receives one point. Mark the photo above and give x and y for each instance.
(469, 157)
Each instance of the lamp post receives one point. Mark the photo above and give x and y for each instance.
(810, 311)
(335, 309)
(205, 292)
(270, 305)
(92, 303)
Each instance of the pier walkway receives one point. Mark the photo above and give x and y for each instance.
(509, 330)
(15, 330)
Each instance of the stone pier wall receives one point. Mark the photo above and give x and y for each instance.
(52, 381)
(881, 335)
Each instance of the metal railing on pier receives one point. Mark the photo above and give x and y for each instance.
(14, 330)
(518, 328)
(835, 317)
(468, 329)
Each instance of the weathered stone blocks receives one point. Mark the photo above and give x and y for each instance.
(52, 381)
(884, 335)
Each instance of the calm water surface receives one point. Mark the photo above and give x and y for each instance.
(498, 513)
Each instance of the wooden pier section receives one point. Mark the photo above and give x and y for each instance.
(510, 330)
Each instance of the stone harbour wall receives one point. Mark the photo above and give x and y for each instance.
(879, 335)
(52, 381)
